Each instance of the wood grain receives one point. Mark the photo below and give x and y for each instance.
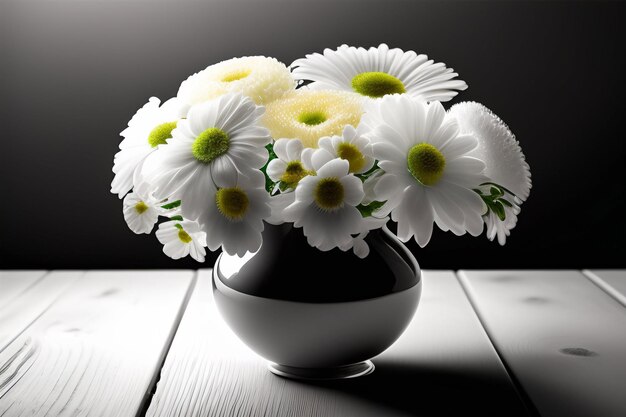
(97, 350)
(613, 281)
(13, 283)
(31, 302)
(443, 365)
(563, 338)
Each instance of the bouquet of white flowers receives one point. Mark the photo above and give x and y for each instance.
(337, 144)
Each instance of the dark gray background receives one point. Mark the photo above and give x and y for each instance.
(73, 73)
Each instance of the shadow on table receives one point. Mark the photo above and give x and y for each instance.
(428, 390)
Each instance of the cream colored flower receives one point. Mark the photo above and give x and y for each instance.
(260, 78)
(310, 115)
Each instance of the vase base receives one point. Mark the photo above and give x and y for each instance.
(321, 374)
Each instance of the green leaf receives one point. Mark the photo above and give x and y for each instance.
(498, 208)
(499, 186)
(178, 218)
(496, 192)
(171, 205)
(269, 184)
(369, 173)
(367, 210)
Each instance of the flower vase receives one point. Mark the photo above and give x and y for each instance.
(318, 315)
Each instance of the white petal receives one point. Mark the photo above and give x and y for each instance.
(280, 149)
(294, 150)
(320, 157)
(276, 168)
(335, 168)
(353, 190)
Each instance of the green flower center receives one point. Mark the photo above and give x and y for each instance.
(236, 75)
(210, 144)
(184, 236)
(377, 84)
(293, 174)
(141, 207)
(329, 193)
(426, 163)
(353, 155)
(161, 133)
(312, 118)
(232, 202)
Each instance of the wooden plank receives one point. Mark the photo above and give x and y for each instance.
(613, 281)
(30, 303)
(444, 364)
(13, 283)
(98, 349)
(562, 337)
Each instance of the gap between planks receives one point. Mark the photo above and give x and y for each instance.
(519, 389)
(147, 399)
(596, 277)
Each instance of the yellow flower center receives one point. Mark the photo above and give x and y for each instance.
(160, 134)
(312, 118)
(141, 207)
(353, 155)
(426, 163)
(329, 194)
(377, 84)
(184, 236)
(236, 75)
(232, 203)
(210, 144)
(293, 174)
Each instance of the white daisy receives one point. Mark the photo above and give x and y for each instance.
(182, 238)
(288, 167)
(310, 115)
(377, 72)
(149, 127)
(505, 163)
(352, 147)
(325, 204)
(235, 214)
(140, 213)
(219, 141)
(260, 78)
(429, 175)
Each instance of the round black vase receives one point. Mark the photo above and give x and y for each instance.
(314, 314)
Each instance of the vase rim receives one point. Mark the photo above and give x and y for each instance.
(217, 283)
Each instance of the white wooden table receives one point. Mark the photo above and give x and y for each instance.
(135, 343)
